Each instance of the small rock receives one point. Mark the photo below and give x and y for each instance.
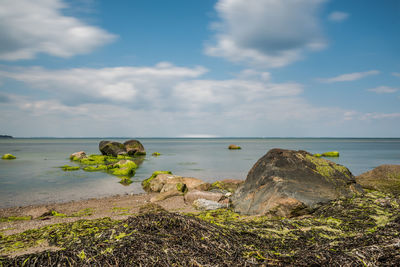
(193, 195)
(165, 195)
(234, 147)
(204, 204)
(78, 155)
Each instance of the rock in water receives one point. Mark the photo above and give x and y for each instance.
(110, 148)
(384, 178)
(134, 148)
(283, 182)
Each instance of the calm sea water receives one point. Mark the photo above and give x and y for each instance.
(34, 178)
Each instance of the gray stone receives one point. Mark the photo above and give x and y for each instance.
(283, 182)
(204, 204)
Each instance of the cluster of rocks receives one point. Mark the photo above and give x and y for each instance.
(202, 195)
(282, 183)
(130, 147)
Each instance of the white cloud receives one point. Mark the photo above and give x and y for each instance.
(267, 33)
(338, 16)
(397, 74)
(349, 76)
(119, 84)
(28, 28)
(384, 90)
(163, 100)
(380, 116)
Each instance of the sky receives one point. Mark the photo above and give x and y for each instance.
(200, 68)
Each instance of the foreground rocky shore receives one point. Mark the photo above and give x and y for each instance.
(294, 209)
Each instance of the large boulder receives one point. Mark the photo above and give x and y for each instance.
(163, 181)
(110, 148)
(384, 178)
(134, 148)
(283, 182)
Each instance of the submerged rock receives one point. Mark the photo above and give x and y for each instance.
(283, 182)
(385, 178)
(110, 148)
(124, 168)
(234, 147)
(134, 148)
(8, 156)
(69, 168)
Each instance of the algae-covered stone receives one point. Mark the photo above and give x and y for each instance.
(111, 148)
(384, 178)
(234, 147)
(124, 168)
(156, 154)
(285, 181)
(146, 182)
(69, 168)
(8, 156)
(95, 169)
(134, 148)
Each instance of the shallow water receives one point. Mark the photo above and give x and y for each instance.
(33, 178)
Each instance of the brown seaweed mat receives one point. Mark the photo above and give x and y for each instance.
(363, 231)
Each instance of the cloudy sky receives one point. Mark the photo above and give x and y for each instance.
(184, 68)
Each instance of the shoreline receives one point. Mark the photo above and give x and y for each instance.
(116, 207)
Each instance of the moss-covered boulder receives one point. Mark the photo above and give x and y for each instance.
(134, 148)
(8, 156)
(124, 168)
(234, 147)
(284, 182)
(111, 148)
(156, 154)
(385, 178)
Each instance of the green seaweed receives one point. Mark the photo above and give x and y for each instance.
(8, 156)
(15, 218)
(70, 168)
(156, 154)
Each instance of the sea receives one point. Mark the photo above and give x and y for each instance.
(35, 177)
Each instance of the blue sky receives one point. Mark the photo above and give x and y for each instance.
(182, 68)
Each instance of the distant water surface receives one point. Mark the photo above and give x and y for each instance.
(33, 178)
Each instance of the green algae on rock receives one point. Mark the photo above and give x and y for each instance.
(284, 182)
(70, 168)
(234, 147)
(327, 154)
(124, 168)
(156, 154)
(385, 178)
(146, 182)
(8, 156)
